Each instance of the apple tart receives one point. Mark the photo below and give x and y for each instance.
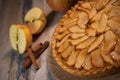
(86, 42)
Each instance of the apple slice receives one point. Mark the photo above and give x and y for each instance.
(63, 47)
(99, 14)
(110, 41)
(58, 44)
(90, 32)
(81, 59)
(67, 52)
(79, 40)
(115, 55)
(86, 43)
(86, 5)
(20, 37)
(36, 20)
(117, 47)
(72, 58)
(106, 57)
(95, 25)
(77, 35)
(88, 64)
(83, 19)
(76, 29)
(102, 24)
(114, 12)
(117, 19)
(96, 58)
(62, 35)
(114, 26)
(99, 4)
(96, 43)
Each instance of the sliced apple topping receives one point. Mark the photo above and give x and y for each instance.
(106, 2)
(95, 25)
(88, 64)
(117, 3)
(110, 41)
(83, 19)
(67, 26)
(58, 44)
(73, 14)
(100, 4)
(77, 35)
(91, 13)
(114, 12)
(86, 43)
(96, 58)
(117, 47)
(96, 43)
(102, 24)
(115, 55)
(59, 37)
(114, 26)
(81, 58)
(67, 52)
(107, 28)
(112, 2)
(63, 47)
(86, 5)
(107, 58)
(76, 29)
(99, 14)
(90, 32)
(72, 58)
(69, 21)
(79, 40)
(117, 19)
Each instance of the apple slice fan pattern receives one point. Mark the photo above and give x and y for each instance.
(86, 42)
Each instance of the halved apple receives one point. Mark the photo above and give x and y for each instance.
(13, 36)
(36, 20)
(20, 37)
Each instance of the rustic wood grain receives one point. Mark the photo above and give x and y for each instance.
(9, 13)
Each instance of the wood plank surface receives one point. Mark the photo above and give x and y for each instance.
(9, 13)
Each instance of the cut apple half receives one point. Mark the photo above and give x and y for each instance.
(13, 36)
(36, 20)
(20, 37)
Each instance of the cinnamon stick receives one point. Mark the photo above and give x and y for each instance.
(34, 49)
(27, 63)
(32, 57)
